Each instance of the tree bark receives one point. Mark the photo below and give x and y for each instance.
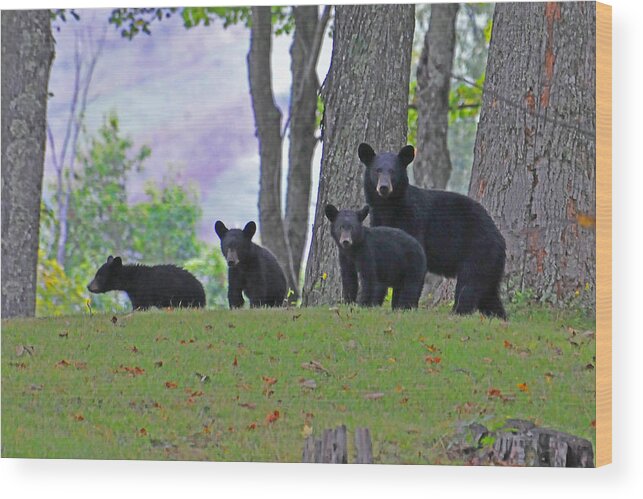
(303, 108)
(268, 131)
(27, 53)
(366, 99)
(432, 165)
(534, 165)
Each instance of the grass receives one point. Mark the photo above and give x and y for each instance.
(205, 385)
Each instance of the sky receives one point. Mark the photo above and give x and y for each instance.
(184, 93)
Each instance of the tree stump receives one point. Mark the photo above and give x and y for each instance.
(520, 443)
(332, 448)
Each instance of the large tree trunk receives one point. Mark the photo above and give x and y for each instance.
(27, 53)
(432, 166)
(268, 131)
(366, 98)
(534, 166)
(303, 107)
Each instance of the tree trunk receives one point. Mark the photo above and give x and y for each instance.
(432, 166)
(27, 53)
(303, 107)
(534, 166)
(268, 130)
(366, 99)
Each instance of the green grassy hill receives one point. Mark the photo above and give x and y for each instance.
(249, 385)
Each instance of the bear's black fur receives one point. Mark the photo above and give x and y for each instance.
(158, 286)
(382, 257)
(458, 236)
(252, 269)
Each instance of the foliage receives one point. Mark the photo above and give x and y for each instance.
(164, 227)
(159, 229)
(210, 268)
(99, 218)
(56, 292)
(132, 21)
(465, 100)
(196, 385)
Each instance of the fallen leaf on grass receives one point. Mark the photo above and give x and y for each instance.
(134, 349)
(295, 317)
(64, 334)
(313, 365)
(80, 365)
(170, 385)
(235, 363)
(208, 327)
(142, 432)
(272, 416)
(308, 383)
(465, 338)
(248, 405)
(593, 423)
(374, 395)
(432, 348)
(306, 431)
(79, 417)
(487, 360)
(404, 400)
(131, 371)
(158, 363)
(432, 360)
(203, 378)
(252, 426)
(62, 363)
(507, 344)
(494, 392)
(523, 387)
(268, 380)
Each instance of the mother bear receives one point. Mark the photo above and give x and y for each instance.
(458, 236)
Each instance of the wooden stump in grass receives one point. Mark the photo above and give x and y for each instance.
(332, 448)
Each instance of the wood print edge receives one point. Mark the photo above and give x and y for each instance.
(603, 234)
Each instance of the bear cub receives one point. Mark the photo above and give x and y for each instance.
(252, 270)
(158, 286)
(379, 258)
(458, 236)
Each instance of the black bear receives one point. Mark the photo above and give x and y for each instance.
(458, 236)
(380, 257)
(158, 286)
(252, 269)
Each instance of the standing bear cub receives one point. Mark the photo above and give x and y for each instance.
(458, 236)
(252, 270)
(158, 286)
(380, 257)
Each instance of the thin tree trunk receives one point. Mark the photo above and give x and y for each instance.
(268, 131)
(366, 98)
(27, 53)
(304, 54)
(432, 166)
(534, 166)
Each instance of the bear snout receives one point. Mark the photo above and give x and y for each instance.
(232, 258)
(92, 287)
(384, 187)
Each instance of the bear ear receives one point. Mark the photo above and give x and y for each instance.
(117, 263)
(406, 155)
(250, 229)
(331, 212)
(110, 259)
(363, 213)
(220, 229)
(365, 153)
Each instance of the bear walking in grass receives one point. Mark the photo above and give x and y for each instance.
(458, 236)
(252, 270)
(158, 286)
(379, 257)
